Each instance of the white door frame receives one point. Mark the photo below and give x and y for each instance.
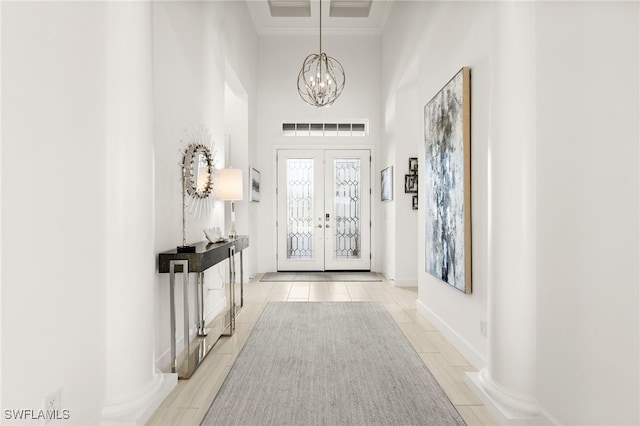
(364, 259)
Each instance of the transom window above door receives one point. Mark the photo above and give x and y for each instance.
(359, 128)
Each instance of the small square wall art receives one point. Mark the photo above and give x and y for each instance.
(386, 184)
(254, 181)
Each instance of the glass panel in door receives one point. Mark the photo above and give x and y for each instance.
(323, 210)
(348, 236)
(346, 186)
(299, 208)
(300, 231)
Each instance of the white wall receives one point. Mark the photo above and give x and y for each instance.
(400, 246)
(438, 58)
(469, 25)
(241, 52)
(280, 60)
(409, 122)
(194, 44)
(188, 91)
(78, 145)
(402, 118)
(134, 387)
(588, 115)
(53, 206)
(236, 112)
(587, 134)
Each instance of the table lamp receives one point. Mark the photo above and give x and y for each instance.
(229, 188)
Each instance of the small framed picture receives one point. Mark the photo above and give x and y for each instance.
(413, 165)
(386, 184)
(254, 179)
(414, 204)
(411, 184)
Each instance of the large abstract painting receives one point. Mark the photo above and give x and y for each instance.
(447, 134)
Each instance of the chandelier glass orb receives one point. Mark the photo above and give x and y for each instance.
(321, 78)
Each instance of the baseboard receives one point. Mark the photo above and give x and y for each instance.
(163, 361)
(137, 409)
(472, 355)
(551, 418)
(508, 408)
(399, 283)
(405, 283)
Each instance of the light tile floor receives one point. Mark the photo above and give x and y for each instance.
(189, 401)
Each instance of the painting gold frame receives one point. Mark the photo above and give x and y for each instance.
(447, 187)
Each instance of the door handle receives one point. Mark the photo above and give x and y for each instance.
(326, 226)
(319, 226)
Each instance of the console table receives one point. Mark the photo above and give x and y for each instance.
(206, 255)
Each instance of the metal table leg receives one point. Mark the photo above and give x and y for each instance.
(187, 361)
(185, 284)
(241, 282)
(200, 303)
(232, 288)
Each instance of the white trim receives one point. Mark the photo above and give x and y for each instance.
(350, 145)
(215, 310)
(405, 283)
(472, 355)
(137, 409)
(552, 420)
(319, 145)
(324, 123)
(509, 407)
(313, 31)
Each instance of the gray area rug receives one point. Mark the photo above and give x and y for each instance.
(329, 363)
(320, 276)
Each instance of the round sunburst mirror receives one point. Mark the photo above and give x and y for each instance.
(198, 170)
(198, 178)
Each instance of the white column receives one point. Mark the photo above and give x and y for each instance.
(508, 383)
(134, 388)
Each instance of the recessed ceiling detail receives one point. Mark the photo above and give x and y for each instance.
(337, 8)
(290, 8)
(350, 8)
(300, 17)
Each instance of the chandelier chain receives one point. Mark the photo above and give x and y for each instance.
(320, 13)
(322, 77)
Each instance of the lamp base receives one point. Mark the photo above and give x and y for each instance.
(232, 233)
(186, 249)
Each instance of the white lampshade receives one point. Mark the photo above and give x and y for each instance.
(228, 185)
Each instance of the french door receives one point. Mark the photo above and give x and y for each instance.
(324, 210)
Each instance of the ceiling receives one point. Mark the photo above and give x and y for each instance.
(300, 17)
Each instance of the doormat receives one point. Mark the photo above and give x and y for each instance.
(320, 276)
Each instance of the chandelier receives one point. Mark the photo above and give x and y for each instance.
(321, 78)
